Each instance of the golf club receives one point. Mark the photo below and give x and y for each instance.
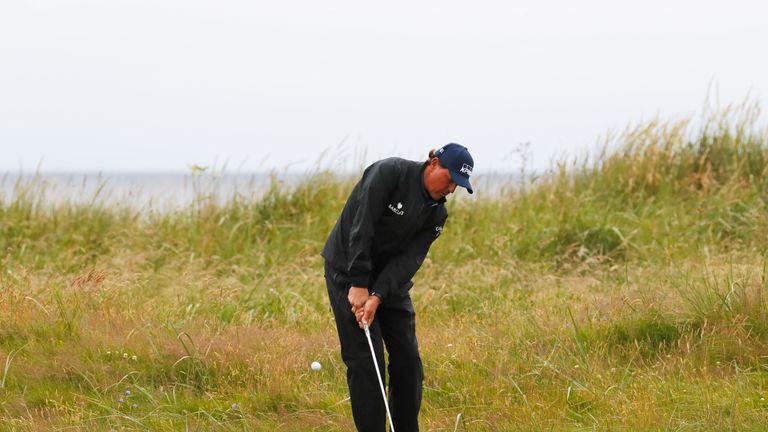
(378, 375)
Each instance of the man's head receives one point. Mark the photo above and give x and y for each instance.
(447, 167)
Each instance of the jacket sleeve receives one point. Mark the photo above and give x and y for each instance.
(371, 193)
(400, 270)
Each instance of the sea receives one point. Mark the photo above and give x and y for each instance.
(167, 191)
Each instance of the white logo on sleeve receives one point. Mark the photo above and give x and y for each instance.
(399, 210)
(438, 230)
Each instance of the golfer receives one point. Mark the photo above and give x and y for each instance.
(388, 223)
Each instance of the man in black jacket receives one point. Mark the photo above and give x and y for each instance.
(384, 232)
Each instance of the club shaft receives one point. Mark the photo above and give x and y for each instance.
(378, 375)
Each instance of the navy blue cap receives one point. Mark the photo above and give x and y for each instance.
(459, 162)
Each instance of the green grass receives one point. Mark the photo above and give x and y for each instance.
(623, 290)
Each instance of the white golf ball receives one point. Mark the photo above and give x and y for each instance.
(316, 366)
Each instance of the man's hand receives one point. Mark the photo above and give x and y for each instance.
(357, 298)
(368, 311)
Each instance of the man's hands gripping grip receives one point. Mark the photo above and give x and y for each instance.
(363, 305)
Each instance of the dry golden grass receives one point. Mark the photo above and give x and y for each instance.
(620, 292)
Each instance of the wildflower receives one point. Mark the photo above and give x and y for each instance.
(134, 358)
(235, 406)
(196, 170)
(134, 406)
(125, 355)
(120, 401)
(127, 392)
(109, 352)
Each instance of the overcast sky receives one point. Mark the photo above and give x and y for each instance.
(156, 85)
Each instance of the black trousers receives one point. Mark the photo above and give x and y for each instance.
(395, 324)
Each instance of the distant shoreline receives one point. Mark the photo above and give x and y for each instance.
(173, 190)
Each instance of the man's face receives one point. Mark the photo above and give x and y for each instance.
(438, 180)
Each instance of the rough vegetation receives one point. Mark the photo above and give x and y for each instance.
(624, 290)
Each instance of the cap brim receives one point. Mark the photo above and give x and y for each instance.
(461, 181)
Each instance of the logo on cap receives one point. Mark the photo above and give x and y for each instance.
(459, 162)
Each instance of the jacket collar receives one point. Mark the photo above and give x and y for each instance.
(427, 198)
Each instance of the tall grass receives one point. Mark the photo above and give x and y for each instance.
(659, 189)
(619, 291)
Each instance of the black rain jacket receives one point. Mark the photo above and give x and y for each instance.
(386, 228)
